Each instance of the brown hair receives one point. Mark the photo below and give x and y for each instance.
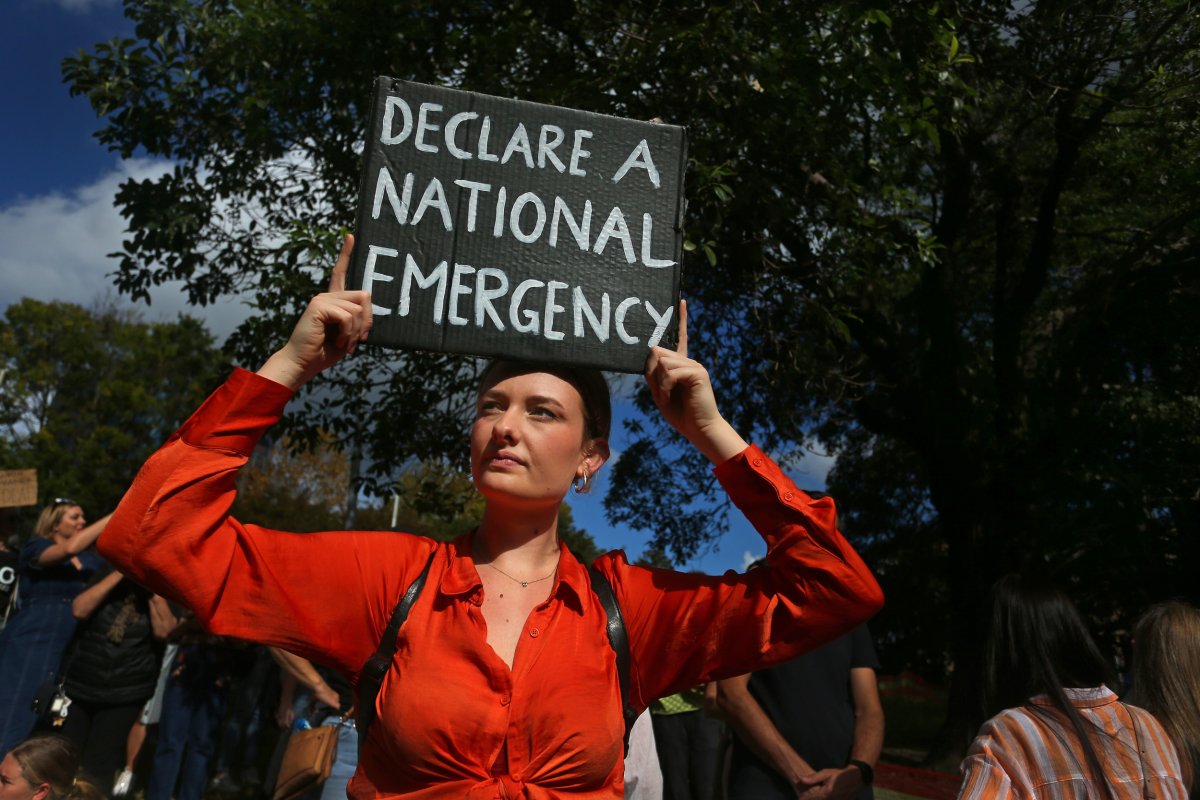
(1166, 678)
(54, 761)
(590, 383)
(51, 515)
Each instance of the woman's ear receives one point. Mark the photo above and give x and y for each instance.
(41, 792)
(595, 453)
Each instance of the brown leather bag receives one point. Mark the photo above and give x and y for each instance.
(307, 760)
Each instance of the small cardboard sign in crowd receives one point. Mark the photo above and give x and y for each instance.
(498, 227)
(18, 487)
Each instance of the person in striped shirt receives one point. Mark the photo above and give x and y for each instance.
(1062, 732)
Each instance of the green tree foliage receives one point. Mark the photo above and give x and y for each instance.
(295, 488)
(955, 243)
(653, 557)
(87, 396)
(1015, 385)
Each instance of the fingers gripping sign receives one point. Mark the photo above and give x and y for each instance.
(683, 392)
(330, 328)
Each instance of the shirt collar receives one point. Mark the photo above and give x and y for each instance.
(461, 577)
(1089, 697)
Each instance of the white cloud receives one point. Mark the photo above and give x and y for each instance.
(812, 470)
(55, 246)
(749, 558)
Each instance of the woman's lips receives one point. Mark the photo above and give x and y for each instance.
(505, 459)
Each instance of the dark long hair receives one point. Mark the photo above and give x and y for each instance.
(1038, 644)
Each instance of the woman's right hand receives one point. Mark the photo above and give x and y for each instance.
(330, 328)
(683, 393)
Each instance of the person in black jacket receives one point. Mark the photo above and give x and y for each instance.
(112, 667)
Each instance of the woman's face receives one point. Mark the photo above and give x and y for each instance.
(13, 785)
(71, 523)
(528, 439)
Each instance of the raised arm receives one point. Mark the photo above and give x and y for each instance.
(60, 552)
(87, 601)
(688, 629)
(326, 596)
(163, 621)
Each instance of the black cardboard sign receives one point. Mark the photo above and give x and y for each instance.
(498, 227)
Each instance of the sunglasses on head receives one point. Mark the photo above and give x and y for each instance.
(64, 501)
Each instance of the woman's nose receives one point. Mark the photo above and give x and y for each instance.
(505, 429)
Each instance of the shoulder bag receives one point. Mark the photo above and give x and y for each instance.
(308, 759)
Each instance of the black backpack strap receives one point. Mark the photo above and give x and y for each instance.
(618, 639)
(370, 678)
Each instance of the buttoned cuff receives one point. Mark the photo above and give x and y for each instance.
(768, 497)
(236, 415)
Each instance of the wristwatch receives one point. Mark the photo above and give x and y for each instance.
(865, 769)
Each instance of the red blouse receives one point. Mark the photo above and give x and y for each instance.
(449, 704)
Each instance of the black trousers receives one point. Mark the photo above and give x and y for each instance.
(100, 731)
(690, 753)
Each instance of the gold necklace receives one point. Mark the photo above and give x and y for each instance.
(524, 584)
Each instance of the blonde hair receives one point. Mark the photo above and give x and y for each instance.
(51, 515)
(54, 761)
(1166, 678)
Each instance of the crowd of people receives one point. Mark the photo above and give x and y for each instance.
(131, 663)
(499, 666)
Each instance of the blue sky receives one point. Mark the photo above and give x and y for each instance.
(57, 222)
(47, 135)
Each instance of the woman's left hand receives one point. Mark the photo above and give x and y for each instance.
(683, 392)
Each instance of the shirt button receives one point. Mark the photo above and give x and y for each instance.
(516, 776)
(505, 699)
(534, 632)
(757, 462)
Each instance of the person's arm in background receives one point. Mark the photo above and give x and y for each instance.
(848, 781)
(162, 619)
(58, 553)
(303, 671)
(757, 731)
(87, 601)
(285, 714)
(712, 700)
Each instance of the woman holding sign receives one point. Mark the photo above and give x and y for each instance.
(503, 683)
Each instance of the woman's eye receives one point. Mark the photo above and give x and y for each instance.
(542, 411)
